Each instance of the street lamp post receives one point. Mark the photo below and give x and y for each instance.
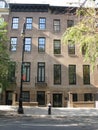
(20, 107)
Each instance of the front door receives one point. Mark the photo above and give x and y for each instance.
(9, 97)
(41, 97)
(57, 100)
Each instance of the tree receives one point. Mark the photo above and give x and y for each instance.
(85, 32)
(4, 56)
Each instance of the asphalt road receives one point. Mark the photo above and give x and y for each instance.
(48, 123)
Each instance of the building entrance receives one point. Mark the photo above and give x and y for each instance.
(9, 97)
(57, 100)
(41, 97)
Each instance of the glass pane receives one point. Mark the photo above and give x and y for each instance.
(70, 23)
(27, 44)
(13, 44)
(42, 20)
(15, 23)
(28, 72)
(57, 74)
(71, 49)
(86, 74)
(41, 45)
(72, 74)
(13, 47)
(41, 72)
(57, 47)
(29, 23)
(42, 23)
(56, 25)
(41, 97)
(42, 26)
(15, 26)
(15, 20)
(26, 96)
(27, 48)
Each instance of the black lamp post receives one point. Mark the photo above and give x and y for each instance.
(20, 107)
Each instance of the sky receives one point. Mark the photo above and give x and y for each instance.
(51, 2)
(43, 1)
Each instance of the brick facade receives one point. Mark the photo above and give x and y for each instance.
(60, 95)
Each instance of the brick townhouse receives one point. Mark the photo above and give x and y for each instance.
(52, 71)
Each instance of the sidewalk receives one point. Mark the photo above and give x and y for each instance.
(43, 111)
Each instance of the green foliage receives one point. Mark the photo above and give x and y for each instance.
(85, 33)
(4, 56)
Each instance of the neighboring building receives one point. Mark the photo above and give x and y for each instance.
(3, 8)
(52, 71)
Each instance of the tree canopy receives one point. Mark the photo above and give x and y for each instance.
(4, 56)
(85, 33)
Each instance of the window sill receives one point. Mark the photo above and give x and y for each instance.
(27, 52)
(56, 31)
(25, 82)
(72, 55)
(41, 52)
(57, 55)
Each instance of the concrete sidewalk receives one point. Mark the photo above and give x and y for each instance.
(43, 111)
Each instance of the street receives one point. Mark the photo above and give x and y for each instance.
(48, 123)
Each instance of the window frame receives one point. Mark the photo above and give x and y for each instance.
(71, 48)
(29, 22)
(84, 50)
(86, 80)
(41, 44)
(28, 44)
(57, 71)
(12, 71)
(74, 97)
(41, 97)
(57, 49)
(70, 24)
(88, 97)
(15, 22)
(42, 23)
(13, 45)
(26, 98)
(26, 67)
(56, 25)
(72, 75)
(41, 72)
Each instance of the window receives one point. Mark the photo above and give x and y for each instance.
(75, 97)
(15, 22)
(88, 97)
(71, 48)
(2, 4)
(27, 47)
(13, 44)
(72, 74)
(41, 97)
(57, 47)
(42, 23)
(56, 25)
(84, 50)
(29, 23)
(11, 74)
(70, 23)
(57, 74)
(26, 96)
(41, 44)
(26, 72)
(86, 74)
(41, 72)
